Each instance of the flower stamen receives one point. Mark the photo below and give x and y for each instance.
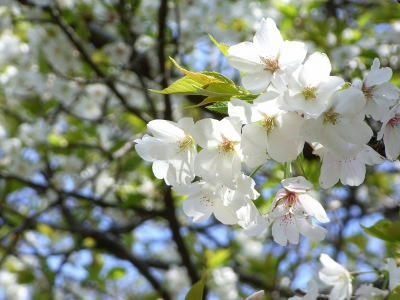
(331, 116)
(270, 64)
(309, 93)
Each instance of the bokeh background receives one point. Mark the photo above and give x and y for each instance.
(83, 217)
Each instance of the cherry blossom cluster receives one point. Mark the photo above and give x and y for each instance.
(340, 280)
(298, 102)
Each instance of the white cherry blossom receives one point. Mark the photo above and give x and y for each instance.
(311, 86)
(270, 131)
(394, 273)
(172, 150)
(348, 167)
(378, 91)
(337, 276)
(312, 292)
(267, 58)
(342, 123)
(390, 132)
(220, 159)
(292, 210)
(205, 199)
(368, 292)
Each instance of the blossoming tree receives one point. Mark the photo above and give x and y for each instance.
(141, 158)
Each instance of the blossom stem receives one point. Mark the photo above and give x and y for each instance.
(288, 170)
(255, 171)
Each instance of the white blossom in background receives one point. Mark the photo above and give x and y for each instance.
(394, 273)
(172, 150)
(311, 294)
(368, 292)
(118, 52)
(11, 288)
(390, 132)
(311, 86)
(337, 276)
(378, 91)
(259, 295)
(176, 279)
(267, 58)
(221, 157)
(348, 167)
(292, 210)
(225, 280)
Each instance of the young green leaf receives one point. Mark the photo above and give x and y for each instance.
(222, 47)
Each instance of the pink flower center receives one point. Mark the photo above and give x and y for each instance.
(395, 121)
(227, 146)
(270, 64)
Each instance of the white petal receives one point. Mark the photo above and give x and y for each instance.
(378, 76)
(313, 208)
(254, 145)
(352, 172)
(330, 171)
(340, 292)
(316, 69)
(350, 101)
(150, 148)
(241, 109)
(310, 230)
(230, 128)
(256, 82)
(208, 133)
(196, 208)
(391, 140)
(160, 169)
(268, 39)
(292, 54)
(225, 214)
(244, 56)
(279, 232)
(165, 130)
(297, 184)
(354, 131)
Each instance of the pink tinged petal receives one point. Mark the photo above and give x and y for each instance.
(313, 208)
(244, 56)
(197, 208)
(391, 140)
(352, 172)
(241, 109)
(268, 39)
(254, 145)
(207, 133)
(256, 82)
(310, 230)
(165, 130)
(292, 54)
(330, 171)
(297, 184)
(316, 69)
(349, 102)
(378, 76)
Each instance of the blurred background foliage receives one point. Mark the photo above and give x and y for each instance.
(82, 216)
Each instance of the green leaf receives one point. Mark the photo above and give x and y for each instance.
(210, 99)
(25, 277)
(116, 273)
(196, 291)
(217, 258)
(222, 47)
(394, 294)
(219, 107)
(385, 230)
(184, 85)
